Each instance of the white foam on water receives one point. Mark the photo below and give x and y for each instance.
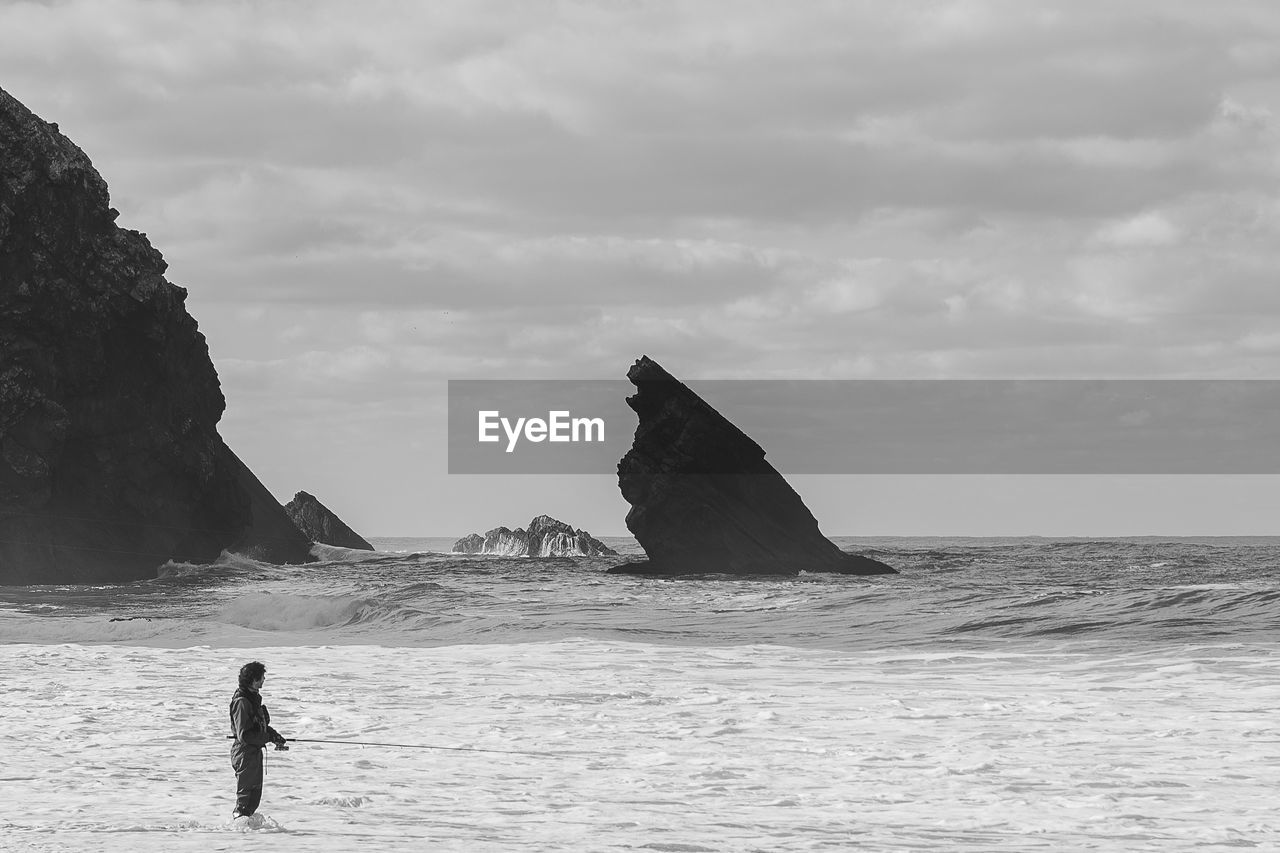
(254, 823)
(114, 747)
(24, 629)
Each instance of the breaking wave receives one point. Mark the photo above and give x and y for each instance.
(268, 611)
(948, 592)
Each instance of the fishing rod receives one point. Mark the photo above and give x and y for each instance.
(418, 746)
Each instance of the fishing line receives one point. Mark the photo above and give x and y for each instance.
(424, 746)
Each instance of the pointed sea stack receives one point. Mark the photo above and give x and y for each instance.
(703, 498)
(110, 459)
(318, 523)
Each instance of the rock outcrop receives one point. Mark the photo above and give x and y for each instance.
(545, 537)
(319, 524)
(704, 499)
(110, 459)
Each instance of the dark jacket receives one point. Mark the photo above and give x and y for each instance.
(250, 722)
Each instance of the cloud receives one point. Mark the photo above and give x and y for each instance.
(1149, 229)
(365, 200)
(653, 110)
(956, 187)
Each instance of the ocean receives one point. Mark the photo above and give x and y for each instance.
(1015, 694)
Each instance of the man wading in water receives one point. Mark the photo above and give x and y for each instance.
(251, 728)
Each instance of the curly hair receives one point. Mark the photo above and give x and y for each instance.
(251, 672)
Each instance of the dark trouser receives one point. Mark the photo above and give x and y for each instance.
(247, 762)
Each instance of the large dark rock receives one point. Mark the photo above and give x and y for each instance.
(319, 524)
(703, 498)
(546, 537)
(110, 459)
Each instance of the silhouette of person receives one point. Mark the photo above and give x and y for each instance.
(251, 730)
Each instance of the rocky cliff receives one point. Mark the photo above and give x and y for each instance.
(704, 499)
(110, 459)
(319, 524)
(546, 537)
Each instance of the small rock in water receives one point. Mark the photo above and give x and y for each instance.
(546, 537)
(319, 524)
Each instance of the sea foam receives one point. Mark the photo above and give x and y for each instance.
(1014, 696)
(589, 745)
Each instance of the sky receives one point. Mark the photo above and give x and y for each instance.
(366, 200)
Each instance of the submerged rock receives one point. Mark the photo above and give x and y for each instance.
(318, 523)
(546, 537)
(110, 459)
(704, 499)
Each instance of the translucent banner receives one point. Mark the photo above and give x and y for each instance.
(890, 426)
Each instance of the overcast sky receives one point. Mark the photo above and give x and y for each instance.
(365, 200)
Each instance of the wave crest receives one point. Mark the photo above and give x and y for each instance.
(268, 611)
